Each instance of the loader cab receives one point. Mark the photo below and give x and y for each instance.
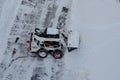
(53, 44)
(47, 33)
(52, 33)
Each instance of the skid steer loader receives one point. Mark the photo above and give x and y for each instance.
(52, 41)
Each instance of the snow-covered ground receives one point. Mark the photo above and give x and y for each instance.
(97, 58)
(99, 24)
(1, 5)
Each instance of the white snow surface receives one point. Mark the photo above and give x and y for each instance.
(98, 22)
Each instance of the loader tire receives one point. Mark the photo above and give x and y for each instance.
(42, 53)
(57, 54)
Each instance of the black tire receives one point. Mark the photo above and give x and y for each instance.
(57, 54)
(42, 53)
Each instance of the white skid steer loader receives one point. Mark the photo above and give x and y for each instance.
(52, 41)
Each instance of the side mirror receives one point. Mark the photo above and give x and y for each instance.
(37, 31)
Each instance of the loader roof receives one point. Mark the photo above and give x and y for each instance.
(52, 31)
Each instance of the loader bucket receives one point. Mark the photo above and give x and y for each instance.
(73, 40)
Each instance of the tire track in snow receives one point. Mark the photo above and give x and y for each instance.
(58, 66)
(13, 60)
(16, 31)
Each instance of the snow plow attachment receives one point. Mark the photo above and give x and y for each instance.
(73, 40)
